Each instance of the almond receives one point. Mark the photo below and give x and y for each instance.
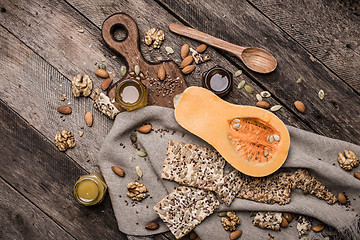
(184, 50)
(162, 73)
(201, 48)
(235, 234)
(341, 198)
(106, 83)
(145, 128)
(193, 235)
(263, 104)
(284, 223)
(300, 106)
(188, 69)
(187, 61)
(89, 118)
(64, 109)
(152, 226)
(318, 227)
(357, 175)
(119, 171)
(288, 217)
(102, 73)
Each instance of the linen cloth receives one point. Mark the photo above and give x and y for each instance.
(314, 152)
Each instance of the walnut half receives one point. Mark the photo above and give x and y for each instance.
(231, 222)
(349, 161)
(137, 191)
(81, 86)
(64, 140)
(156, 36)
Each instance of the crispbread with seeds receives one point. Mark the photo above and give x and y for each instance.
(185, 208)
(229, 186)
(193, 165)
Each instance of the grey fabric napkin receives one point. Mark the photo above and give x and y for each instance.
(316, 153)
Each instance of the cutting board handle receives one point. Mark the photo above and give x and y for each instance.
(129, 47)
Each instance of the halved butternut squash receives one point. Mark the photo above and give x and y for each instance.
(253, 140)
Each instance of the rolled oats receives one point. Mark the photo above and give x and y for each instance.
(64, 140)
(137, 191)
(268, 220)
(104, 105)
(81, 86)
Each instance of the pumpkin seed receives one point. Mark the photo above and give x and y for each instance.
(133, 137)
(237, 73)
(81, 30)
(169, 50)
(137, 69)
(236, 120)
(276, 137)
(241, 84)
(271, 139)
(138, 171)
(236, 125)
(275, 108)
(102, 66)
(321, 94)
(299, 80)
(222, 214)
(266, 152)
(122, 71)
(265, 94)
(249, 89)
(141, 153)
(253, 214)
(258, 97)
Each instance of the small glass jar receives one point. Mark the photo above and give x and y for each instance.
(131, 94)
(218, 80)
(90, 189)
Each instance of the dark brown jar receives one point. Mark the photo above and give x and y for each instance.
(218, 80)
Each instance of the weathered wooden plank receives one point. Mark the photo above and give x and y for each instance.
(327, 29)
(246, 26)
(46, 177)
(20, 219)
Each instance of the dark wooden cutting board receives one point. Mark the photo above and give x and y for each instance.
(161, 93)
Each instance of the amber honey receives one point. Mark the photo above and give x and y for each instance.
(218, 80)
(90, 189)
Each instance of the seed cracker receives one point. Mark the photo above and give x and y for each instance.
(185, 208)
(193, 165)
(229, 186)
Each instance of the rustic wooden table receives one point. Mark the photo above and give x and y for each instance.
(43, 47)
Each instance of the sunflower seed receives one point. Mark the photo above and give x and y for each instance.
(237, 73)
(137, 69)
(222, 214)
(122, 71)
(249, 89)
(299, 80)
(258, 97)
(276, 137)
(271, 139)
(236, 120)
(266, 152)
(138, 171)
(265, 94)
(321, 94)
(275, 108)
(133, 137)
(141, 153)
(236, 125)
(241, 84)
(169, 50)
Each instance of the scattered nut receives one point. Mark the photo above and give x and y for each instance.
(193, 235)
(161, 73)
(187, 61)
(263, 104)
(198, 58)
(357, 175)
(201, 48)
(288, 217)
(341, 198)
(63, 97)
(106, 83)
(81, 86)
(303, 226)
(137, 191)
(235, 234)
(156, 36)
(102, 73)
(284, 222)
(188, 69)
(318, 228)
(81, 133)
(104, 105)
(152, 226)
(184, 50)
(102, 66)
(145, 128)
(268, 220)
(118, 171)
(349, 161)
(88, 118)
(231, 222)
(300, 106)
(64, 109)
(64, 140)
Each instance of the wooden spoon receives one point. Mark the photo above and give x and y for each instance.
(256, 59)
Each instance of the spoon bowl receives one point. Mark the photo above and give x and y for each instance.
(257, 59)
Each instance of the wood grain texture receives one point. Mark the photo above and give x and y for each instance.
(31, 164)
(325, 28)
(20, 219)
(246, 26)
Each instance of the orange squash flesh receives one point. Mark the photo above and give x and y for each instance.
(253, 140)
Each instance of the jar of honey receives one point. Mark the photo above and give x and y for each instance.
(218, 80)
(90, 189)
(130, 93)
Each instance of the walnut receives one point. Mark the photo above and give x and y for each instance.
(137, 191)
(269, 220)
(231, 222)
(81, 86)
(198, 58)
(156, 36)
(64, 140)
(349, 161)
(104, 105)
(303, 226)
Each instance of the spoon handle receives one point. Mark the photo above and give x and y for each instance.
(205, 38)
